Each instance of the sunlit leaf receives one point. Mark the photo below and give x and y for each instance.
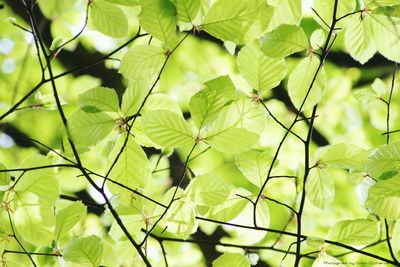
(187, 9)
(355, 232)
(254, 165)
(67, 218)
(320, 188)
(208, 190)
(231, 259)
(86, 251)
(384, 159)
(108, 19)
(286, 12)
(99, 99)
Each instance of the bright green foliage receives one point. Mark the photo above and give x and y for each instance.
(383, 159)
(86, 251)
(207, 190)
(54, 8)
(125, 2)
(67, 218)
(133, 97)
(132, 169)
(325, 10)
(261, 72)
(99, 99)
(88, 128)
(5, 178)
(142, 63)
(381, 3)
(284, 41)
(286, 12)
(377, 92)
(108, 19)
(254, 165)
(359, 39)
(231, 259)
(158, 18)
(239, 21)
(206, 104)
(355, 232)
(187, 9)
(384, 198)
(302, 84)
(320, 188)
(317, 39)
(342, 156)
(167, 128)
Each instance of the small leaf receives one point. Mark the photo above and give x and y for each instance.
(142, 62)
(10, 20)
(101, 98)
(158, 18)
(355, 232)
(320, 188)
(284, 41)
(239, 21)
(317, 39)
(231, 259)
(57, 42)
(67, 218)
(207, 190)
(108, 18)
(301, 81)
(261, 72)
(167, 128)
(86, 251)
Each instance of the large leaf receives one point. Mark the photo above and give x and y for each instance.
(41, 182)
(158, 18)
(142, 62)
(386, 33)
(132, 168)
(344, 156)
(133, 97)
(34, 219)
(108, 18)
(86, 251)
(187, 9)
(355, 232)
(231, 259)
(320, 188)
(284, 41)
(384, 160)
(206, 104)
(384, 198)
(254, 165)
(239, 21)
(99, 99)
(232, 140)
(359, 40)
(167, 128)
(301, 79)
(90, 128)
(67, 218)
(54, 8)
(286, 12)
(261, 72)
(208, 190)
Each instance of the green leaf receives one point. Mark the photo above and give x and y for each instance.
(206, 104)
(232, 207)
(41, 182)
(230, 260)
(345, 156)
(57, 42)
(67, 218)
(86, 251)
(161, 102)
(300, 81)
(90, 128)
(384, 159)
(384, 198)
(167, 128)
(239, 21)
(132, 168)
(359, 40)
(325, 10)
(381, 3)
(286, 12)
(355, 232)
(396, 237)
(208, 190)
(254, 164)
(108, 18)
(365, 95)
(158, 18)
(317, 39)
(99, 99)
(34, 219)
(54, 8)
(284, 41)
(232, 140)
(133, 97)
(187, 9)
(320, 188)
(261, 72)
(142, 62)
(125, 2)
(386, 32)
(5, 177)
